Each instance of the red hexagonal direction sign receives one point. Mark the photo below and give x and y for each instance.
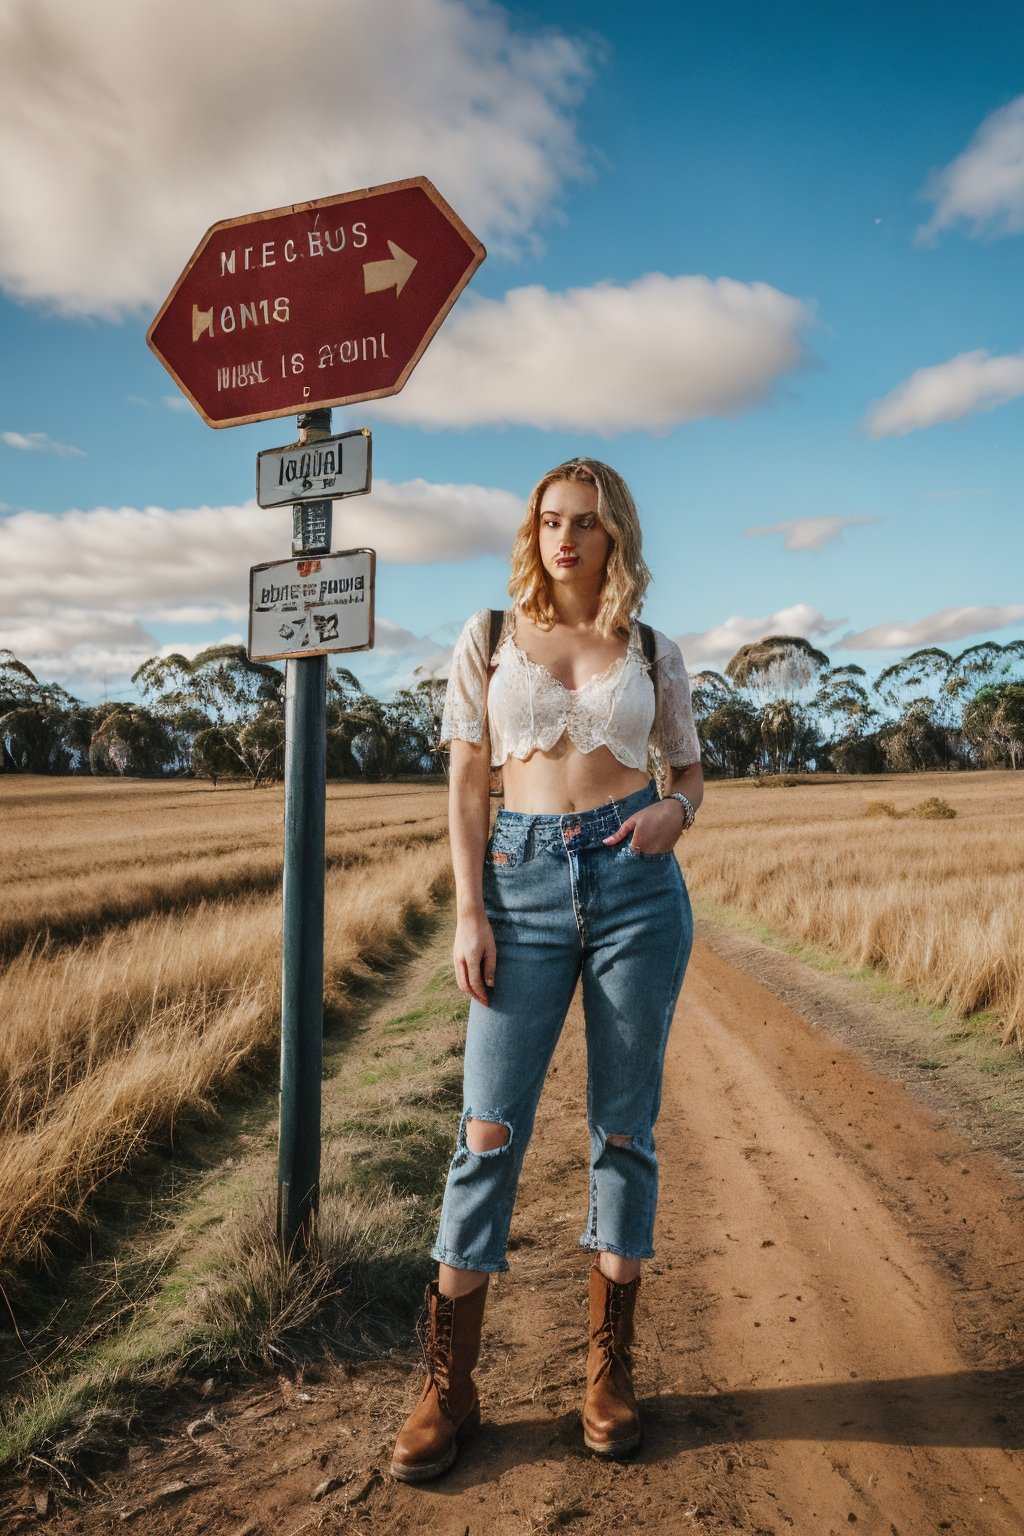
(318, 304)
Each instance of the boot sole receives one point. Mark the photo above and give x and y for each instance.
(613, 1448)
(423, 1471)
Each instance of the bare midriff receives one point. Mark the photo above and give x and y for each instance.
(565, 779)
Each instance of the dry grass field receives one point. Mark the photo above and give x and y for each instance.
(141, 932)
(935, 903)
(141, 925)
(139, 984)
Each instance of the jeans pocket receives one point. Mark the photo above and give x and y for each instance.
(507, 846)
(648, 857)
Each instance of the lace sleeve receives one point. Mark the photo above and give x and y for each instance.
(674, 729)
(465, 700)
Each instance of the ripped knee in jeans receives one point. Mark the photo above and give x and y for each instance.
(484, 1135)
(619, 1141)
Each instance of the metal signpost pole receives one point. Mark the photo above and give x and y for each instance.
(302, 982)
(303, 308)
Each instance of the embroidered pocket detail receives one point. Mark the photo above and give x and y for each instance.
(507, 846)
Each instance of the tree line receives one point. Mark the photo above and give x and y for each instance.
(779, 706)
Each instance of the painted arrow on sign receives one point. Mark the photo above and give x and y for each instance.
(393, 273)
(318, 304)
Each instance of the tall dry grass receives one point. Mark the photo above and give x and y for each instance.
(81, 854)
(935, 903)
(108, 1040)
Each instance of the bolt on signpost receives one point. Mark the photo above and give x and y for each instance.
(295, 311)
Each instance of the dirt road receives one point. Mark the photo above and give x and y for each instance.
(829, 1337)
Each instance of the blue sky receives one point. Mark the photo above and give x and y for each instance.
(765, 258)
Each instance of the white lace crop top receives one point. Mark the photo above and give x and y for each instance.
(526, 709)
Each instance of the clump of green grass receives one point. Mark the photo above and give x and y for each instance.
(881, 808)
(932, 809)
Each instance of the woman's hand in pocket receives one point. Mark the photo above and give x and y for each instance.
(655, 829)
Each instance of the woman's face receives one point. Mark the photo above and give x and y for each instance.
(573, 545)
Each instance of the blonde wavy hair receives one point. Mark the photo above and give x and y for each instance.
(626, 576)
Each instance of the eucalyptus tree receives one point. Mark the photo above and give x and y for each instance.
(43, 728)
(729, 737)
(845, 715)
(777, 667)
(353, 724)
(789, 737)
(708, 691)
(922, 677)
(993, 723)
(130, 739)
(232, 708)
(984, 665)
(917, 740)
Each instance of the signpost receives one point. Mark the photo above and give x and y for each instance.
(336, 467)
(297, 310)
(311, 607)
(314, 305)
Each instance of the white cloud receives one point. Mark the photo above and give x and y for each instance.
(935, 629)
(91, 671)
(984, 185)
(723, 640)
(40, 442)
(973, 381)
(811, 533)
(175, 403)
(643, 356)
(126, 130)
(81, 591)
(413, 521)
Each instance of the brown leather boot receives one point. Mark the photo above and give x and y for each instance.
(611, 1422)
(448, 1408)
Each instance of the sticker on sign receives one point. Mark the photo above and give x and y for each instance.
(325, 470)
(311, 606)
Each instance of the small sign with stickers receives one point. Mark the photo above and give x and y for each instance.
(311, 606)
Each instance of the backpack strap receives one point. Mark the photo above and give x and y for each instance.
(646, 642)
(497, 620)
(646, 634)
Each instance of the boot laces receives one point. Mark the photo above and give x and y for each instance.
(606, 1340)
(434, 1332)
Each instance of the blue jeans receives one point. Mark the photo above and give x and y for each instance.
(561, 904)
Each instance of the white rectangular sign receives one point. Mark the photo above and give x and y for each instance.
(323, 471)
(311, 606)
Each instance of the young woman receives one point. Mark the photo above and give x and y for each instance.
(578, 881)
